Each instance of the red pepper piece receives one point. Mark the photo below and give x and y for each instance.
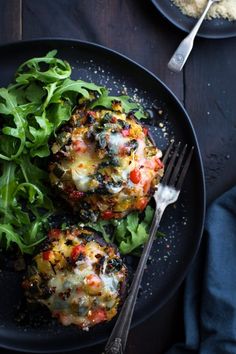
(142, 203)
(160, 163)
(135, 176)
(125, 132)
(113, 119)
(46, 255)
(54, 233)
(76, 251)
(75, 195)
(106, 215)
(79, 146)
(97, 316)
(145, 130)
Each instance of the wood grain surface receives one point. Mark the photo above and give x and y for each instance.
(206, 87)
(210, 100)
(10, 20)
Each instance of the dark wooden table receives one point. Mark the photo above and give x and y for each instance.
(206, 87)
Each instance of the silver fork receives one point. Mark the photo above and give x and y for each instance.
(166, 194)
(183, 51)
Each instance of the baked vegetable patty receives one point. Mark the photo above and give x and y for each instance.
(104, 163)
(78, 276)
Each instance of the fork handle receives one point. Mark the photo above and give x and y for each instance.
(118, 338)
(181, 54)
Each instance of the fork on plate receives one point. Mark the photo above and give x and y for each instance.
(176, 167)
(183, 51)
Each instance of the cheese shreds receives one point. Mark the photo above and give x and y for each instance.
(194, 8)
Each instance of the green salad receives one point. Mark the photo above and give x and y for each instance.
(32, 108)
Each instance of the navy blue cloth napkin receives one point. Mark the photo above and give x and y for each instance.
(210, 288)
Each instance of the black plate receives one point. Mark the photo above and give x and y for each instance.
(215, 28)
(182, 224)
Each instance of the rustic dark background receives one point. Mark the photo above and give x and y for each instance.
(206, 87)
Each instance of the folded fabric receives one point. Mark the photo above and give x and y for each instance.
(210, 287)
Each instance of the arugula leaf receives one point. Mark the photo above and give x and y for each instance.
(34, 193)
(8, 106)
(50, 88)
(34, 93)
(128, 106)
(8, 235)
(132, 221)
(8, 184)
(137, 231)
(129, 233)
(101, 227)
(39, 136)
(59, 113)
(79, 86)
(34, 69)
(120, 230)
(16, 223)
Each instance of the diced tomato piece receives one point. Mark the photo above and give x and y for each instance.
(92, 113)
(54, 233)
(93, 280)
(65, 319)
(145, 130)
(146, 186)
(47, 255)
(135, 176)
(76, 251)
(97, 316)
(79, 290)
(159, 163)
(75, 195)
(93, 284)
(123, 150)
(125, 132)
(113, 119)
(142, 203)
(106, 215)
(56, 313)
(79, 146)
(151, 164)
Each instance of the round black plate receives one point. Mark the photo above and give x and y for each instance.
(182, 224)
(216, 28)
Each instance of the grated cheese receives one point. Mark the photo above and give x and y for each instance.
(224, 9)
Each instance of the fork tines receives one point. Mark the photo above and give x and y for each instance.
(175, 171)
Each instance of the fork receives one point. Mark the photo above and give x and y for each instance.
(166, 194)
(183, 51)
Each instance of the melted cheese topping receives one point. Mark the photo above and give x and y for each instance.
(116, 142)
(83, 278)
(111, 162)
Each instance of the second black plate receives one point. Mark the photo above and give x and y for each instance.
(216, 28)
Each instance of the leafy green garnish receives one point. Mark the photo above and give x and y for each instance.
(128, 105)
(32, 108)
(129, 233)
(38, 103)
